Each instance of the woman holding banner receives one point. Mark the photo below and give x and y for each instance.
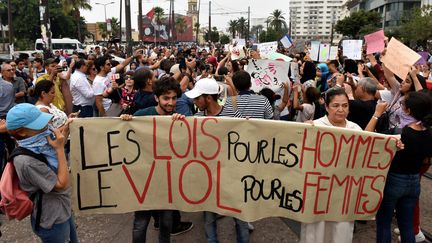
(337, 107)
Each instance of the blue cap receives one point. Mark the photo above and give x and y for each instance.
(28, 116)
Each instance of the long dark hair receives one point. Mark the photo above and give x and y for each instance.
(420, 106)
(41, 86)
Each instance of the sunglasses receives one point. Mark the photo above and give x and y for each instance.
(129, 77)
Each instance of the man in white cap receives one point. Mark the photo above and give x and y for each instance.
(205, 96)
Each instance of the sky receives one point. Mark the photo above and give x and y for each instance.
(259, 9)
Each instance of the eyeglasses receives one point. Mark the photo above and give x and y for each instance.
(129, 77)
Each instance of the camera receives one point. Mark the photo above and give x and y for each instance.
(219, 78)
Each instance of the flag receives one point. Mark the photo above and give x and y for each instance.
(286, 41)
(150, 14)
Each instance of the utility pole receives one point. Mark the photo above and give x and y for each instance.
(170, 23)
(45, 27)
(198, 16)
(140, 19)
(173, 30)
(248, 29)
(209, 33)
(128, 28)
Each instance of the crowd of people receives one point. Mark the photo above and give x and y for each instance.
(41, 96)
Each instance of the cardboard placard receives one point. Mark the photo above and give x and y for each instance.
(399, 58)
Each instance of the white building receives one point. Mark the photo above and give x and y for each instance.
(426, 2)
(313, 19)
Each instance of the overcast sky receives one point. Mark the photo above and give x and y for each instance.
(259, 9)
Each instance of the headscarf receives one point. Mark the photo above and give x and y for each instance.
(322, 84)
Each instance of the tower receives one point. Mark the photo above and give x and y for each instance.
(193, 12)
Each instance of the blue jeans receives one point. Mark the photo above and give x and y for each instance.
(401, 193)
(141, 222)
(210, 228)
(59, 233)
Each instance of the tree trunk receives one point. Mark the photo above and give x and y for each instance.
(78, 18)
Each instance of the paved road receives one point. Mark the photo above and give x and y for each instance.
(118, 228)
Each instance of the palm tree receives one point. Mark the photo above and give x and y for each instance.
(115, 28)
(232, 27)
(73, 7)
(257, 29)
(277, 20)
(180, 25)
(242, 26)
(158, 15)
(197, 29)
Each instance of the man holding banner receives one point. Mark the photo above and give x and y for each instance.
(166, 91)
(205, 95)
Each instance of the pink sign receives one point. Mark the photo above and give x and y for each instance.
(375, 42)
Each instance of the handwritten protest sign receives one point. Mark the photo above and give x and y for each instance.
(307, 173)
(324, 52)
(352, 49)
(237, 52)
(375, 42)
(279, 57)
(334, 52)
(240, 42)
(265, 49)
(267, 73)
(424, 57)
(399, 58)
(314, 52)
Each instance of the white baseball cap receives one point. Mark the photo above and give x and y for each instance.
(207, 86)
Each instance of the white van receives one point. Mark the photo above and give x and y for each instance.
(65, 44)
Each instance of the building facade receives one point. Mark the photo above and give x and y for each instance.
(315, 19)
(390, 10)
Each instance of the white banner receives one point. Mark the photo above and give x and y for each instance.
(268, 73)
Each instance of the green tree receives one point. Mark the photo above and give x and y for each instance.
(73, 7)
(158, 15)
(277, 21)
(242, 26)
(212, 36)
(197, 29)
(257, 30)
(269, 35)
(224, 39)
(232, 27)
(416, 25)
(26, 22)
(358, 24)
(115, 28)
(180, 25)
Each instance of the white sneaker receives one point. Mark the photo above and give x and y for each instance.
(420, 237)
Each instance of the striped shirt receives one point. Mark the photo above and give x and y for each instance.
(252, 106)
(226, 111)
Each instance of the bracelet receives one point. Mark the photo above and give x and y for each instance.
(375, 117)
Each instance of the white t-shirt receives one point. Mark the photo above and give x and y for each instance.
(100, 84)
(307, 113)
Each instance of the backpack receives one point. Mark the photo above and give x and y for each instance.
(16, 203)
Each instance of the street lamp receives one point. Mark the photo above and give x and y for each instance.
(105, 4)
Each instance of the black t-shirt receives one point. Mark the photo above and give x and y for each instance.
(418, 146)
(360, 112)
